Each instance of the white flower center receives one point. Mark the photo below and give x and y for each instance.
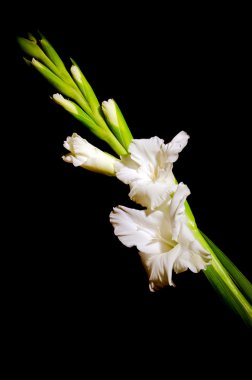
(169, 242)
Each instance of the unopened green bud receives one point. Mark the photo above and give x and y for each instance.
(117, 122)
(62, 86)
(31, 48)
(85, 87)
(77, 112)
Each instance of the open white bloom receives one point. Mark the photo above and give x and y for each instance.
(164, 240)
(88, 156)
(148, 169)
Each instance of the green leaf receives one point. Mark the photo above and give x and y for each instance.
(228, 296)
(223, 282)
(240, 280)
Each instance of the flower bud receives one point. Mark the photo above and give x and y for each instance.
(86, 155)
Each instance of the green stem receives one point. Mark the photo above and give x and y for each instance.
(114, 143)
(219, 276)
(224, 275)
(239, 279)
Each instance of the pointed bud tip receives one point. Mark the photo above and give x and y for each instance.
(40, 35)
(35, 61)
(109, 109)
(32, 38)
(27, 61)
(58, 97)
(67, 104)
(76, 73)
(37, 64)
(108, 102)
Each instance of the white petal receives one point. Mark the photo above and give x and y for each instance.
(145, 151)
(148, 169)
(81, 146)
(150, 194)
(193, 256)
(67, 143)
(176, 145)
(76, 161)
(126, 170)
(88, 156)
(142, 162)
(68, 158)
(79, 161)
(191, 259)
(177, 209)
(159, 267)
(140, 228)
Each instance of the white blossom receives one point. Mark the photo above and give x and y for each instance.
(163, 238)
(148, 169)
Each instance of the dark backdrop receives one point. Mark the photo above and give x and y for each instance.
(73, 281)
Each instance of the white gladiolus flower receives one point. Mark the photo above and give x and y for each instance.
(148, 169)
(164, 240)
(84, 154)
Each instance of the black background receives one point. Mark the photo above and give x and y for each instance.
(73, 284)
